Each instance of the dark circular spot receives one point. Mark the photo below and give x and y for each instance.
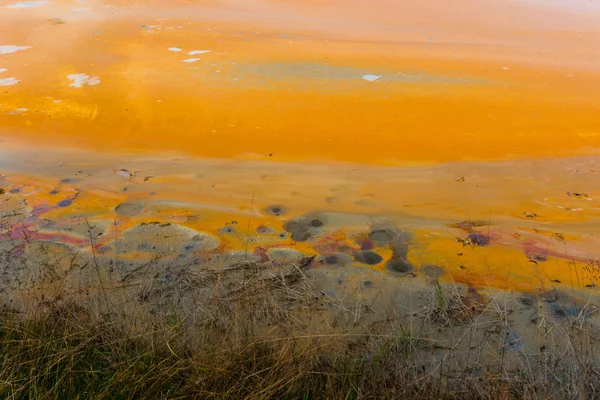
(263, 230)
(65, 203)
(381, 235)
(128, 209)
(367, 284)
(296, 225)
(66, 180)
(301, 236)
(316, 223)
(15, 190)
(55, 191)
(282, 235)
(330, 260)
(368, 257)
(479, 239)
(226, 230)
(560, 312)
(399, 265)
(276, 210)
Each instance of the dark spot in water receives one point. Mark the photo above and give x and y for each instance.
(399, 265)
(560, 312)
(526, 301)
(226, 230)
(283, 235)
(65, 203)
(432, 271)
(55, 191)
(299, 228)
(128, 209)
(301, 236)
(367, 284)
(368, 257)
(67, 180)
(316, 223)
(263, 230)
(276, 210)
(296, 225)
(17, 190)
(568, 309)
(2, 191)
(381, 235)
(188, 247)
(331, 260)
(479, 239)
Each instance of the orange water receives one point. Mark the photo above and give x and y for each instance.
(283, 82)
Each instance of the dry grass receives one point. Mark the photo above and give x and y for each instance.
(246, 342)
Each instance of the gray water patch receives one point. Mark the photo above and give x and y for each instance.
(368, 257)
(165, 238)
(128, 209)
(322, 71)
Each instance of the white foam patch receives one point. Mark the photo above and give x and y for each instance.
(371, 78)
(9, 81)
(174, 49)
(190, 60)
(11, 48)
(26, 4)
(194, 52)
(82, 79)
(3, 70)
